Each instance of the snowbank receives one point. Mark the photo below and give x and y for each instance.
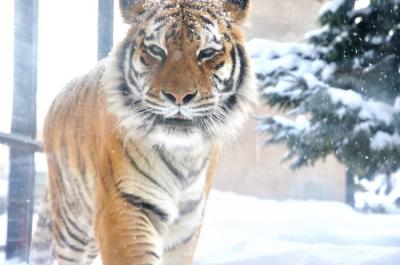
(242, 230)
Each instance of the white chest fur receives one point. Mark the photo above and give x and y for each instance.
(174, 180)
(190, 206)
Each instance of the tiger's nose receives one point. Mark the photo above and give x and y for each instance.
(179, 98)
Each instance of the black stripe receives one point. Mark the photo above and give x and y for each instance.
(243, 65)
(64, 157)
(144, 205)
(83, 242)
(131, 103)
(132, 80)
(169, 6)
(66, 258)
(161, 19)
(150, 38)
(164, 17)
(82, 198)
(206, 105)
(78, 135)
(230, 103)
(132, 66)
(149, 16)
(217, 41)
(183, 242)
(141, 33)
(157, 29)
(192, 29)
(92, 256)
(151, 102)
(59, 185)
(233, 58)
(152, 253)
(202, 18)
(124, 89)
(76, 191)
(190, 206)
(122, 56)
(171, 168)
(138, 169)
(64, 137)
(218, 78)
(128, 55)
(143, 190)
(67, 218)
(65, 242)
(229, 83)
(172, 30)
(88, 120)
(139, 152)
(200, 8)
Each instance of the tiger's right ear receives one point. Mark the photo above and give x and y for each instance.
(131, 9)
(237, 9)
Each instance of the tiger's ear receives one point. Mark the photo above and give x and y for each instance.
(237, 9)
(131, 9)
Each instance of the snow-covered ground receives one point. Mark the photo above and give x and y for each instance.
(242, 230)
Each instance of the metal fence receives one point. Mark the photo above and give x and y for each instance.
(21, 140)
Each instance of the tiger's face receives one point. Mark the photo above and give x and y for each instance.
(183, 69)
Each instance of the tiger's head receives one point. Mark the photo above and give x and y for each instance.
(182, 73)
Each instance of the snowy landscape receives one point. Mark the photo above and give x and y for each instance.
(243, 230)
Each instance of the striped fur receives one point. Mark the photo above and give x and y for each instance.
(132, 146)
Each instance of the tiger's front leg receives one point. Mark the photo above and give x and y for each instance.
(126, 236)
(183, 253)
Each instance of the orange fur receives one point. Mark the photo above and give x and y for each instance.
(99, 147)
(101, 192)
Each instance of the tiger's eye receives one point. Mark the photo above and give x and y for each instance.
(156, 52)
(207, 54)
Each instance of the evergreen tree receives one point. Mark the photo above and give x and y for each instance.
(343, 84)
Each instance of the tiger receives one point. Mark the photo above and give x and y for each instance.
(132, 146)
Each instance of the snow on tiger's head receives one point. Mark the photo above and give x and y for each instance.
(182, 73)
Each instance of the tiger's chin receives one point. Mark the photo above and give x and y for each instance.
(176, 136)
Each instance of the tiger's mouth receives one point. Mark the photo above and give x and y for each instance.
(174, 121)
(178, 122)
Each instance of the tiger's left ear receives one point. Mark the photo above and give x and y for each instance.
(131, 9)
(237, 9)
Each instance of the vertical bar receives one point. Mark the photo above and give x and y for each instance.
(22, 167)
(350, 188)
(105, 25)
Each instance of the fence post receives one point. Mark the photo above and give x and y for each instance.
(105, 28)
(22, 167)
(350, 188)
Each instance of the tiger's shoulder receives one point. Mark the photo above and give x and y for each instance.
(77, 111)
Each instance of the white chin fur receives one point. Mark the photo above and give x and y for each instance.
(175, 139)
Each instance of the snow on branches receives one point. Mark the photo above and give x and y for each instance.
(342, 84)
